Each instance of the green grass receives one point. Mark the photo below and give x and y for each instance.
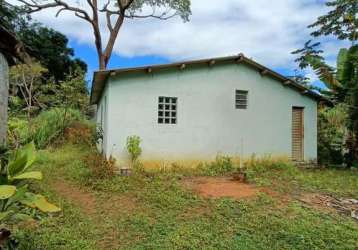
(286, 178)
(164, 215)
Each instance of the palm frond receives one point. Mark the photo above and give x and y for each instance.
(324, 72)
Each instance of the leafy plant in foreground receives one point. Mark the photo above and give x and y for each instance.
(13, 189)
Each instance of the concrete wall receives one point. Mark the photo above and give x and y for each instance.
(4, 82)
(102, 121)
(208, 123)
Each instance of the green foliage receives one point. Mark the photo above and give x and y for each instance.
(29, 92)
(341, 21)
(70, 93)
(46, 45)
(155, 211)
(180, 8)
(50, 47)
(343, 90)
(332, 134)
(221, 166)
(13, 189)
(47, 127)
(133, 147)
(25, 80)
(310, 56)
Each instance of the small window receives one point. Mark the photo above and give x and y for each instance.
(241, 99)
(167, 110)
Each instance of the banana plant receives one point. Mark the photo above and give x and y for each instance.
(13, 187)
(339, 79)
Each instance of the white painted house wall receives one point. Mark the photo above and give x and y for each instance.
(208, 123)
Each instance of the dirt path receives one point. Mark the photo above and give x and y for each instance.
(98, 209)
(85, 200)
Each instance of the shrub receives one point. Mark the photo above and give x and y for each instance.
(18, 132)
(332, 134)
(133, 147)
(43, 129)
(222, 165)
(100, 167)
(80, 133)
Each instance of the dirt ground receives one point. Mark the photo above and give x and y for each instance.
(81, 198)
(219, 187)
(214, 187)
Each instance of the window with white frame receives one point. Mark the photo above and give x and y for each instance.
(167, 110)
(241, 100)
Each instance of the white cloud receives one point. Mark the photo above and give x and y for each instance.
(264, 30)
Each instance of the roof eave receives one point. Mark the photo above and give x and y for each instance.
(100, 77)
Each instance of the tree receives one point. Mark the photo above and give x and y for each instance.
(71, 93)
(341, 22)
(310, 56)
(115, 13)
(46, 45)
(11, 17)
(50, 48)
(27, 79)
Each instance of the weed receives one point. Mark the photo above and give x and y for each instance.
(221, 166)
(100, 167)
(167, 216)
(133, 147)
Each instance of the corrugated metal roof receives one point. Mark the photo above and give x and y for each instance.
(100, 77)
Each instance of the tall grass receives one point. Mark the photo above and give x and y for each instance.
(43, 129)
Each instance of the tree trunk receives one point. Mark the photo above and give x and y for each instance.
(4, 84)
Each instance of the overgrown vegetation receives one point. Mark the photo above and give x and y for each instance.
(43, 129)
(222, 165)
(337, 145)
(156, 211)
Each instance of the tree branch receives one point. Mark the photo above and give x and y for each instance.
(35, 7)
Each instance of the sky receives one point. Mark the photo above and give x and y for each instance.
(266, 31)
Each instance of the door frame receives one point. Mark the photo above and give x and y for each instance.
(302, 109)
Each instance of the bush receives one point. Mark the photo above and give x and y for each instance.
(43, 129)
(81, 133)
(18, 132)
(100, 167)
(222, 165)
(332, 134)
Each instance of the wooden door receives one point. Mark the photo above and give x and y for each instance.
(297, 134)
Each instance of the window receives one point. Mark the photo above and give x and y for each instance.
(167, 110)
(241, 99)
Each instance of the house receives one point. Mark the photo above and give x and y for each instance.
(10, 50)
(198, 109)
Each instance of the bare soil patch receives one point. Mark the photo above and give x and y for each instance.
(98, 208)
(81, 198)
(215, 187)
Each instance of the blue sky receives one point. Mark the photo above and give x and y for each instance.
(266, 31)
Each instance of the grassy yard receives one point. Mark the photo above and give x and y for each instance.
(155, 211)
